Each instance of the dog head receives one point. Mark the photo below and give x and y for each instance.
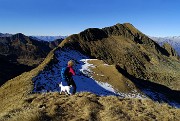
(60, 85)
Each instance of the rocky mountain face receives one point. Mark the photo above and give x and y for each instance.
(170, 49)
(21, 53)
(131, 50)
(173, 41)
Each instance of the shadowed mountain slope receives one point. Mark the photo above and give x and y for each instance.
(9, 70)
(24, 49)
(20, 53)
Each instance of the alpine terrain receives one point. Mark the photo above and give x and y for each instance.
(121, 75)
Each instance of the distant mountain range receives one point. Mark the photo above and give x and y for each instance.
(40, 38)
(5, 34)
(48, 38)
(173, 41)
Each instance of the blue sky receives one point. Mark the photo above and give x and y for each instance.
(66, 17)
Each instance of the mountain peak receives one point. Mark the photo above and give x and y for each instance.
(92, 34)
(19, 35)
(132, 28)
(128, 25)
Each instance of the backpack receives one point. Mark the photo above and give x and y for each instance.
(64, 73)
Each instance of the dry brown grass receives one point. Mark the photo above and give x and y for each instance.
(87, 106)
(109, 74)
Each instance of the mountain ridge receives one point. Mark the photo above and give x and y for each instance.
(134, 55)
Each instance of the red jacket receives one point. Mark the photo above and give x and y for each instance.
(71, 71)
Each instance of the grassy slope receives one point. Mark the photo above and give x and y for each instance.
(109, 74)
(15, 90)
(87, 106)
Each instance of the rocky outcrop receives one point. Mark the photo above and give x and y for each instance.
(174, 41)
(170, 50)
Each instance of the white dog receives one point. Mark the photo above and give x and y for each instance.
(65, 89)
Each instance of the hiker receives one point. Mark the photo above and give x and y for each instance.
(69, 72)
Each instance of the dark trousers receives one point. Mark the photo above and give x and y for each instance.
(71, 82)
